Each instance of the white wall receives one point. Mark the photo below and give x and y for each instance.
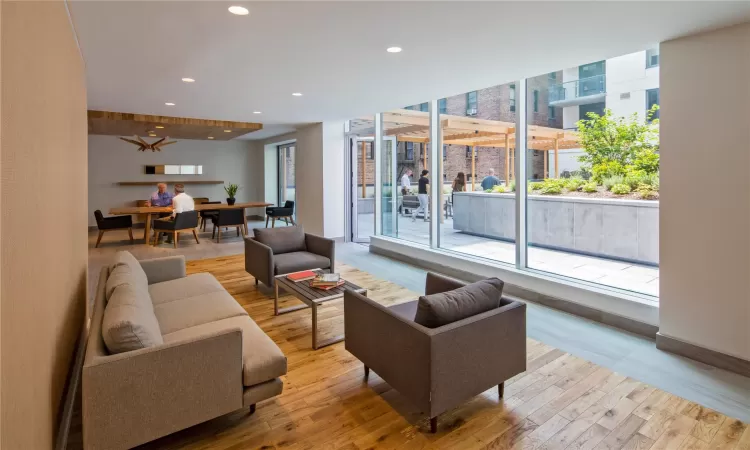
(628, 75)
(705, 190)
(112, 160)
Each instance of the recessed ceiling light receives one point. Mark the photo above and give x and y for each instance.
(159, 126)
(227, 131)
(256, 112)
(210, 137)
(188, 80)
(238, 10)
(297, 94)
(393, 49)
(169, 104)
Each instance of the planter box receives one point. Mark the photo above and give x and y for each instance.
(626, 230)
(365, 205)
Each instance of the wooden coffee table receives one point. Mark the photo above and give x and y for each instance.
(312, 298)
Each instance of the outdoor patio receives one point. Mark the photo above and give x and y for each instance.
(634, 277)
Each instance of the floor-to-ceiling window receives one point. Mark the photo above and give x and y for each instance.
(361, 153)
(287, 184)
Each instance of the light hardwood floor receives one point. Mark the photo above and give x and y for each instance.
(562, 401)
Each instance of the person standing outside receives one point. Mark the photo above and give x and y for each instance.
(490, 181)
(406, 182)
(424, 188)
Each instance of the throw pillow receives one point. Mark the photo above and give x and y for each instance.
(441, 309)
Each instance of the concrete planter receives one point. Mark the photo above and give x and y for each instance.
(365, 205)
(627, 230)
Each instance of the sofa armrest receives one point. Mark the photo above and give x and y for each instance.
(134, 397)
(164, 269)
(259, 261)
(322, 246)
(476, 353)
(398, 350)
(436, 284)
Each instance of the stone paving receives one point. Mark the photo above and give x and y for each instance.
(633, 277)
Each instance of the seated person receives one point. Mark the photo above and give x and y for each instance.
(181, 202)
(161, 197)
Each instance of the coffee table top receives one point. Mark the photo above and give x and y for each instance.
(303, 290)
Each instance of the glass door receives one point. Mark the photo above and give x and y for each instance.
(287, 181)
(362, 162)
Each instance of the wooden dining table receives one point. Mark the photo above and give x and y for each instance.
(151, 210)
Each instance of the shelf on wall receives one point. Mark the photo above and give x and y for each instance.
(151, 183)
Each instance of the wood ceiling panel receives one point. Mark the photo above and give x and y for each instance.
(126, 124)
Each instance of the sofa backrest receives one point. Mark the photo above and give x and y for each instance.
(282, 240)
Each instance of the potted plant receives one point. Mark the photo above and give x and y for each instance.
(231, 191)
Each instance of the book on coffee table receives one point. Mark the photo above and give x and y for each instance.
(326, 280)
(328, 287)
(301, 276)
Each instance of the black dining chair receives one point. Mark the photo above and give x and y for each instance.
(184, 221)
(285, 212)
(207, 215)
(229, 218)
(111, 224)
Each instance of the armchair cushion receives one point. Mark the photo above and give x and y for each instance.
(299, 261)
(129, 322)
(436, 310)
(282, 240)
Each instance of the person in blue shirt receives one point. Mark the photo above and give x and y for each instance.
(490, 181)
(161, 197)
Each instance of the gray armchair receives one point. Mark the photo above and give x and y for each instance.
(437, 368)
(276, 251)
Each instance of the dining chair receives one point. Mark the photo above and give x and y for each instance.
(111, 224)
(208, 214)
(285, 212)
(229, 218)
(184, 221)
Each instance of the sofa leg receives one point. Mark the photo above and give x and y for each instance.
(501, 389)
(252, 408)
(367, 372)
(256, 281)
(433, 424)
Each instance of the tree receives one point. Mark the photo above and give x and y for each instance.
(619, 145)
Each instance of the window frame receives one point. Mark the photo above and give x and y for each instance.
(469, 110)
(512, 97)
(443, 105)
(536, 100)
(650, 53)
(409, 147)
(649, 105)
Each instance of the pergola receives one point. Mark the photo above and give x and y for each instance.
(413, 126)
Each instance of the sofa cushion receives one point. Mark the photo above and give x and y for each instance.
(262, 360)
(123, 274)
(298, 261)
(129, 322)
(282, 240)
(406, 310)
(447, 307)
(179, 288)
(125, 258)
(196, 310)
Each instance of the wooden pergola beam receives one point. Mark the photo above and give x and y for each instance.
(470, 135)
(406, 130)
(419, 140)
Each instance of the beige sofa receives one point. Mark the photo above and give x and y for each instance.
(167, 351)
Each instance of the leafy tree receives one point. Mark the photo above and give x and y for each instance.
(619, 145)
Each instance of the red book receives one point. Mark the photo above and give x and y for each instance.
(328, 288)
(301, 276)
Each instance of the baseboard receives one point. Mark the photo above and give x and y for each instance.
(704, 355)
(606, 318)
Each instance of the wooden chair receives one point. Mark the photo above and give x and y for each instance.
(209, 214)
(229, 218)
(182, 222)
(111, 224)
(285, 212)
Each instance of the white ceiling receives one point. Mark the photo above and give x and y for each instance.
(136, 52)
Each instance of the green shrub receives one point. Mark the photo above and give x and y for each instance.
(620, 189)
(606, 169)
(498, 189)
(552, 186)
(613, 180)
(513, 186)
(654, 181)
(536, 185)
(574, 183)
(646, 192)
(589, 187)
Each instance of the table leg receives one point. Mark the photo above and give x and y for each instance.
(315, 326)
(147, 228)
(244, 218)
(276, 299)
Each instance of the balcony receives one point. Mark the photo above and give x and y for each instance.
(579, 92)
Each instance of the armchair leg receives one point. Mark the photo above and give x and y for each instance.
(256, 281)
(267, 217)
(195, 235)
(292, 219)
(99, 239)
(501, 389)
(367, 372)
(176, 236)
(252, 408)
(130, 232)
(273, 222)
(433, 424)
(238, 231)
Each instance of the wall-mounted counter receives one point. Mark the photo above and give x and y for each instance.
(153, 183)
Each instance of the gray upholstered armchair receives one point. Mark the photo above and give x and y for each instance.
(276, 251)
(443, 365)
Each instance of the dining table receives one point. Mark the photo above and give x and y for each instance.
(151, 210)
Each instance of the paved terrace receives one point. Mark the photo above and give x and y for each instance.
(633, 277)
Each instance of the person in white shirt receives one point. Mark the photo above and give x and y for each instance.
(406, 182)
(181, 202)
